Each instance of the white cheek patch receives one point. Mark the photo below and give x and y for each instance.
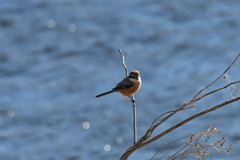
(135, 80)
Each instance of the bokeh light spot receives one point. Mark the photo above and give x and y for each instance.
(107, 147)
(72, 28)
(11, 113)
(51, 24)
(119, 140)
(86, 125)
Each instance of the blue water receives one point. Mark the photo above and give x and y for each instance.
(55, 56)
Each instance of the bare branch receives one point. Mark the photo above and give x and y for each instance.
(189, 119)
(140, 144)
(144, 140)
(216, 79)
(152, 128)
(134, 119)
(213, 92)
(169, 144)
(170, 112)
(133, 102)
(123, 62)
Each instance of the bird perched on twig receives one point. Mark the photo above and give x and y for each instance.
(128, 86)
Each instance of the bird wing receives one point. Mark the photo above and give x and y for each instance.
(124, 84)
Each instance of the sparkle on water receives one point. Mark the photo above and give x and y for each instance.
(107, 147)
(86, 125)
(51, 24)
(119, 140)
(11, 113)
(72, 28)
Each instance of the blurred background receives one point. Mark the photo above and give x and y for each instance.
(57, 55)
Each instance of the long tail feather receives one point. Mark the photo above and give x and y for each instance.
(104, 93)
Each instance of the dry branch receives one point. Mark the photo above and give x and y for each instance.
(123, 62)
(144, 140)
(133, 103)
(216, 79)
(144, 143)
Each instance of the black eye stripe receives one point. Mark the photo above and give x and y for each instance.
(133, 77)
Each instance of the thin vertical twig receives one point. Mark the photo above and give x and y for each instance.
(123, 62)
(133, 102)
(134, 119)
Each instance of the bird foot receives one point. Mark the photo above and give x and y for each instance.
(132, 99)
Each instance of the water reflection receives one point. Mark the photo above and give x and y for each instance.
(72, 28)
(51, 24)
(107, 147)
(86, 125)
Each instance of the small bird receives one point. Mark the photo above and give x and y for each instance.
(128, 86)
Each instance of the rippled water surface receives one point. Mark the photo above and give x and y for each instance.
(55, 56)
